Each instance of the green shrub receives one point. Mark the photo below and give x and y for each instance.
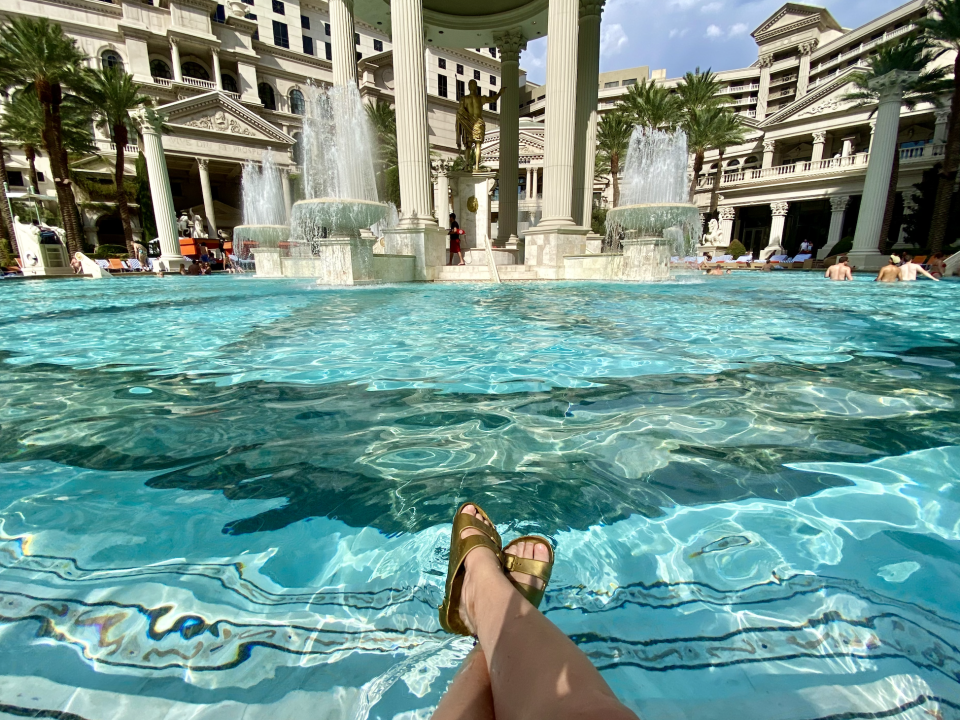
(599, 221)
(110, 251)
(843, 247)
(736, 249)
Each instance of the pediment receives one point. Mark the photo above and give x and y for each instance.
(216, 114)
(530, 141)
(791, 14)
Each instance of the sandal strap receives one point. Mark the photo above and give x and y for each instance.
(462, 521)
(528, 566)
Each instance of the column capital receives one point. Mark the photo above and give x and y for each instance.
(591, 7)
(891, 86)
(808, 47)
(174, 41)
(780, 209)
(765, 61)
(820, 137)
(942, 116)
(769, 145)
(838, 203)
(203, 164)
(727, 213)
(215, 51)
(510, 44)
(147, 120)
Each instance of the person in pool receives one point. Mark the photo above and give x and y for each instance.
(523, 667)
(909, 270)
(937, 265)
(890, 273)
(839, 271)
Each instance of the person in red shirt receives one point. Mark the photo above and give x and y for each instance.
(455, 233)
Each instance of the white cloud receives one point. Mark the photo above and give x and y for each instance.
(677, 32)
(684, 4)
(613, 39)
(738, 29)
(711, 7)
(714, 31)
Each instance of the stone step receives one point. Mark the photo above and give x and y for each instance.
(464, 273)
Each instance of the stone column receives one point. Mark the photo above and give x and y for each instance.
(342, 44)
(848, 146)
(769, 148)
(560, 126)
(441, 202)
(175, 59)
(163, 210)
(819, 144)
(866, 241)
(942, 127)
(803, 76)
(763, 95)
(287, 192)
(780, 210)
(838, 205)
(208, 210)
(217, 75)
(585, 132)
(909, 208)
(727, 216)
(873, 133)
(511, 44)
(529, 189)
(413, 148)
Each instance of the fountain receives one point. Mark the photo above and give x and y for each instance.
(656, 214)
(329, 227)
(264, 231)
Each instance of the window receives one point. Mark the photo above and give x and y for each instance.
(278, 7)
(378, 45)
(40, 177)
(220, 16)
(441, 63)
(304, 22)
(476, 74)
(194, 70)
(229, 83)
(461, 90)
(359, 56)
(459, 69)
(110, 59)
(297, 105)
(267, 97)
(256, 33)
(248, 2)
(615, 83)
(356, 38)
(15, 177)
(493, 80)
(327, 51)
(280, 38)
(252, 16)
(160, 69)
(493, 105)
(442, 85)
(493, 52)
(628, 83)
(308, 45)
(298, 148)
(326, 29)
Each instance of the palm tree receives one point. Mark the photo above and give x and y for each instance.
(613, 139)
(943, 27)
(911, 55)
(699, 91)
(725, 131)
(652, 105)
(702, 128)
(113, 92)
(22, 123)
(6, 227)
(383, 118)
(36, 55)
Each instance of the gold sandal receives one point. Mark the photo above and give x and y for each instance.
(537, 568)
(459, 549)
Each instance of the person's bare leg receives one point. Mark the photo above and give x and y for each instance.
(535, 670)
(469, 696)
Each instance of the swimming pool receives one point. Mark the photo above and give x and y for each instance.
(228, 496)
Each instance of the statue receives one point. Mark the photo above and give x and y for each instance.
(198, 231)
(471, 128)
(183, 224)
(714, 235)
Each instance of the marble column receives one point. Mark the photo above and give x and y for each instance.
(763, 95)
(163, 210)
(585, 132)
(413, 149)
(727, 217)
(217, 75)
(873, 133)
(287, 191)
(803, 75)
(203, 165)
(511, 44)
(838, 206)
(780, 210)
(441, 202)
(910, 198)
(342, 42)
(866, 240)
(848, 146)
(175, 59)
(528, 191)
(560, 126)
(819, 144)
(942, 127)
(769, 148)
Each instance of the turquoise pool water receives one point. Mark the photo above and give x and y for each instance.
(227, 497)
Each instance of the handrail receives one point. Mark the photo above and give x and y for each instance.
(197, 82)
(494, 272)
(864, 47)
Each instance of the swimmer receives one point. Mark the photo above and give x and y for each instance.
(909, 270)
(840, 271)
(889, 273)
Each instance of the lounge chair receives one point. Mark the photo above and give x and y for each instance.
(134, 264)
(748, 258)
(104, 265)
(115, 265)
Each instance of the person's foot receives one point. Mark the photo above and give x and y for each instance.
(529, 550)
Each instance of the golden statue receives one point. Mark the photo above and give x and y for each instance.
(471, 128)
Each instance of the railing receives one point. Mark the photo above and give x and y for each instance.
(922, 151)
(780, 81)
(838, 71)
(782, 93)
(739, 88)
(233, 95)
(197, 82)
(745, 101)
(748, 113)
(128, 149)
(162, 82)
(863, 47)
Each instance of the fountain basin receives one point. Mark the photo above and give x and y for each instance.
(316, 218)
(265, 236)
(651, 219)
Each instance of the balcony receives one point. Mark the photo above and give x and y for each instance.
(863, 47)
(830, 76)
(739, 89)
(745, 101)
(780, 81)
(197, 82)
(162, 82)
(127, 149)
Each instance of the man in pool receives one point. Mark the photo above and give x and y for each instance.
(890, 273)
(840, 271)
(909, 270)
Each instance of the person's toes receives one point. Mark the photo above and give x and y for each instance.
(541, 552)
(529, 550)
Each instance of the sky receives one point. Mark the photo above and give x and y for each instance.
(681, 35)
